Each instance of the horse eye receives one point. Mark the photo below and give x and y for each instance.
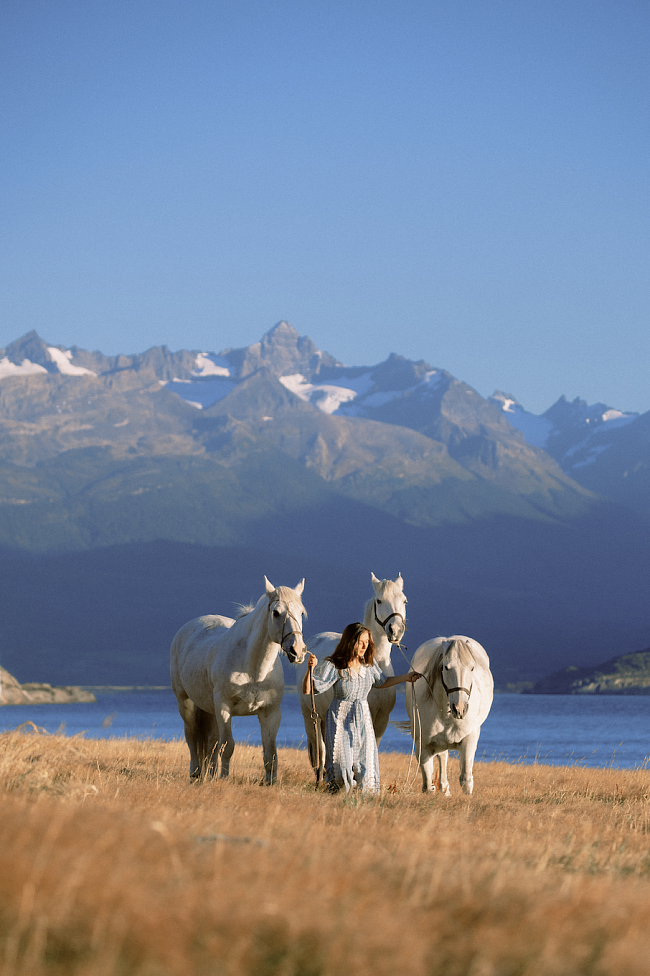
(378, 601)
(276, 613)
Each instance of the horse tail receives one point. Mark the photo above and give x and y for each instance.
(204, 722)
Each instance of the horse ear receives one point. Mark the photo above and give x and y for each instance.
(300, 587)
(399, 582)
(375, 582)
(270, 589)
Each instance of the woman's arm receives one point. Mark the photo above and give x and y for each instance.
(397, 679)
(306, 681)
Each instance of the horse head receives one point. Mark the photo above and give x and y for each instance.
(456, 674)
(286, 613)
(390, 607)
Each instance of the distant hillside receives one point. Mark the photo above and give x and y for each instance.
(39, 693)
(627, 674)
(606, 450)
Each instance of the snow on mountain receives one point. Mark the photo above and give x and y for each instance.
(535, 429)
(24, 368)
(29, 355)
(207, 364)
(478, 433)
(209, 382)
(360, 391)
(574, 433)
(62, 358)
(326, 397)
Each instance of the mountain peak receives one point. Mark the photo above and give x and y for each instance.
(280, 330)
(282, 351)
(30, 346)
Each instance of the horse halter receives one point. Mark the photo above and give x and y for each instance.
(450, 691)
(382, 623)
(289, 633)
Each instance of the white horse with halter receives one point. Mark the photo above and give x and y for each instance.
(447, 708)
(385, 617)
(222, 667)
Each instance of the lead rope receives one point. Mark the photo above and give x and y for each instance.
(416, 714)
(314, 717)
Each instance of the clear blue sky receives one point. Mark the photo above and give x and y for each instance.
(463, 181)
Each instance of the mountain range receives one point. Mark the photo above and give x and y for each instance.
(137, 491)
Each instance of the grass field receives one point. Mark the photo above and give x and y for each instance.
(113, 864)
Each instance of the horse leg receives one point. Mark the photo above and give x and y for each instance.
(381, 703)
(426, 768)
(187, 710)
(442, 773)
(225, 745)
(380, 723)
(467, 751)
(269, 724)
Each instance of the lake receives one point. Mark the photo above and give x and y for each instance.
(553, 729)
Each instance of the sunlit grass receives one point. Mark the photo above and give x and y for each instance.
(111, 862)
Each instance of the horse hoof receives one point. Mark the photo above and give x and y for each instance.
(446, 791)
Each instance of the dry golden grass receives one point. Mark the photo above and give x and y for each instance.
(113, 864)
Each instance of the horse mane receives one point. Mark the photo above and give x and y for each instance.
(433, 669)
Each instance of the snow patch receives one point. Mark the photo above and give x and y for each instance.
(207, 364)
(328, 398)
(431, 379)
(616, 418)
(62, 359)
(26, 368)
(536, 429)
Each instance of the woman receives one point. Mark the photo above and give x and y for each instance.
(350, 744)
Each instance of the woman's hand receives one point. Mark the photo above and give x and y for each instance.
(413, 676)
(306, 681)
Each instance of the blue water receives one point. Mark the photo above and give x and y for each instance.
(554, 729)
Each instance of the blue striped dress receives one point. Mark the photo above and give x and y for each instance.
(350, 746)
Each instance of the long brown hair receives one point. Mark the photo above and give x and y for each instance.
(343, 653)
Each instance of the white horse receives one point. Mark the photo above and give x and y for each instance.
(451, 703)
(385, 617)
(222, 667)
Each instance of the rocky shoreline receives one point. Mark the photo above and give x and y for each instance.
(39, 693)
(627, 674)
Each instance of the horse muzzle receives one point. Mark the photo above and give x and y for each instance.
(459, 709)
(294, 647)
(395, 630)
